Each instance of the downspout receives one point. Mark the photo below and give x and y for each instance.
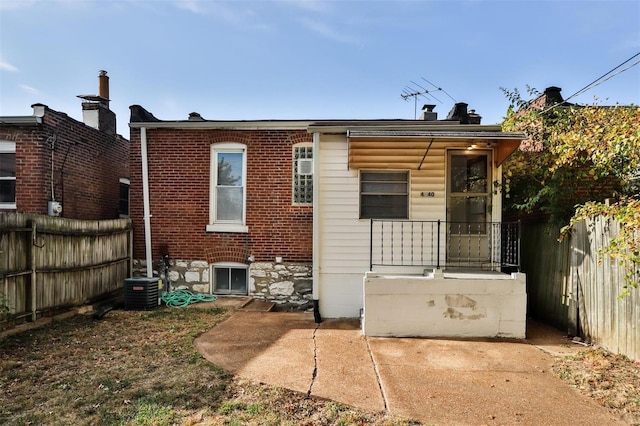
(145, 197)
(316, 230)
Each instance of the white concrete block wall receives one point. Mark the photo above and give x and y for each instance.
(441, 307)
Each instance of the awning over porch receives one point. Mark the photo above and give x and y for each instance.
(409, 149)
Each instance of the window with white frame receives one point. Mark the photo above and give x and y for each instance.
(7, 175)
(303, 174)
(229, 278)
(123, 201)
(228, 188)
(384, 194)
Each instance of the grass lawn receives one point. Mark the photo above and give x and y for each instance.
(141, 368)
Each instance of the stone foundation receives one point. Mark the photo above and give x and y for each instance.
(289, 285)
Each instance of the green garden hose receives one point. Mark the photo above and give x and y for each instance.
(183, 298)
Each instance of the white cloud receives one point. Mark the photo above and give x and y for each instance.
(311, 5)
(193, 6)
(29, 89)
(15, 4)
(6, 66)
(236, 14)
(328, 32)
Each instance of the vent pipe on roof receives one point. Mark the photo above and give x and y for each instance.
(103, 87)
(428, 114)
(95, 108)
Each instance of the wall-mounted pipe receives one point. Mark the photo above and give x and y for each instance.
(145, 197)
(316, 230)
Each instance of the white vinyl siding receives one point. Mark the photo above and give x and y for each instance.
(343, 237)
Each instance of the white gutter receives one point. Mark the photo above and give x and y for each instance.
(316, 218)
(145, 197)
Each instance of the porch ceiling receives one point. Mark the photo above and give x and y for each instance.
(388, 149)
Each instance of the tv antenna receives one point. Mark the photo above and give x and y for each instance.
(410, 91)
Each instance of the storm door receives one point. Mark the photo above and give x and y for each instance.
(468, 208)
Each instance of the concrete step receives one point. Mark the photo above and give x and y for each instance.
(257, 305)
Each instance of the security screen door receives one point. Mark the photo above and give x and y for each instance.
(468, 207)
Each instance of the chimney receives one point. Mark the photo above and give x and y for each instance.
(459, 113)
(474, 118)
(552, 96)
(103, 87)
(428, 114)
(95, 108)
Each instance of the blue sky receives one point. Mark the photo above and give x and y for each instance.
(311, 59)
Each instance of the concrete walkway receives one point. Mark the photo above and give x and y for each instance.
(435, 381)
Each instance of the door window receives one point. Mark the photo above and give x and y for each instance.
(469, 191)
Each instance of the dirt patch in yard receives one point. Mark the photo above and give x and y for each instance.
(612, 380)
(141, 368)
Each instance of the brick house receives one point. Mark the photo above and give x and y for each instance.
(53, 164)
(225, 200)
(291, 212)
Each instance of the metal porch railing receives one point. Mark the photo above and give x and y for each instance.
(493, 246)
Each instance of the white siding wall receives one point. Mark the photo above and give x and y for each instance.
(344, 239)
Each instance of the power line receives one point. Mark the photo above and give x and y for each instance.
(598, 81)
(592, 84)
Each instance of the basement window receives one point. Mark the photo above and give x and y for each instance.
(229, 278)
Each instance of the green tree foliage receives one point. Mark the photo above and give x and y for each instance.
(578, 162)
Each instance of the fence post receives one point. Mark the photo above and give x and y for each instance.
(34, 307)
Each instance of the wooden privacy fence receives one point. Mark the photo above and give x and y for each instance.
(572, 285)
(49, 263)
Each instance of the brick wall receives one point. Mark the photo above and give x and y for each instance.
(31, 167)
(88, 165)
(179, 178)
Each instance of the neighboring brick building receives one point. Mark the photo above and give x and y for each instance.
(225, 198)
(53, 164)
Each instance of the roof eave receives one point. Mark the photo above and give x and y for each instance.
(20, 120)
(228, 125)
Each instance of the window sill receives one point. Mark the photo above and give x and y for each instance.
(7, 206)
(228, 227)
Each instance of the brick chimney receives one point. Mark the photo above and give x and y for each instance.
(552, 96)
(95, 108)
